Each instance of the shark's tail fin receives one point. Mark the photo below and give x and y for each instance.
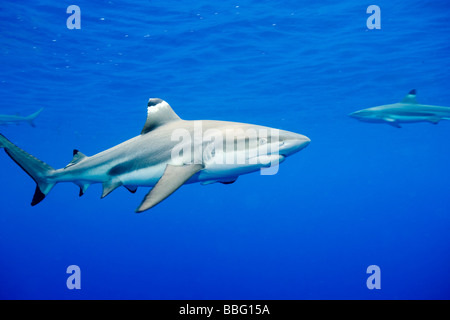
(33, 116)
(39, 171)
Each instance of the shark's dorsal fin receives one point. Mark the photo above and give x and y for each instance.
(159, 112)
(410, 97)
(77, 157)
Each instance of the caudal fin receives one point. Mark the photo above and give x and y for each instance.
(33, 116)
(39, 171)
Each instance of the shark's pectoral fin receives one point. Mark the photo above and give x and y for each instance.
(173, 178)
(132, 189)
(392, 122)
(434, 120)
(110, 185)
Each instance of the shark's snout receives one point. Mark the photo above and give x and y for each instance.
(355, 115)
(292, 143)
(363, 115)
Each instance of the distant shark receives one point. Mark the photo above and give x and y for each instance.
(10, 119)
(148, 159)
(406, 111)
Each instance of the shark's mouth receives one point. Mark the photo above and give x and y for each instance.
(267, 160)
(274, 160)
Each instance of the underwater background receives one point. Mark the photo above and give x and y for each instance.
(361, 194)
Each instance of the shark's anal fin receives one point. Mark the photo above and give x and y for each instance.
(83, 188)
(110, 185)
(173, 178)
(392, 122)
(159, 112)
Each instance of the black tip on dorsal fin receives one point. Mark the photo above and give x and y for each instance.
(75, 151)
(159, 113)
(154, 101)
(410, 97)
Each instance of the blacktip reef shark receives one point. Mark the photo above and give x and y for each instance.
(147, 160)
(406, 111)
(16, 119)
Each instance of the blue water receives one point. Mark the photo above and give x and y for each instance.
(361, 194)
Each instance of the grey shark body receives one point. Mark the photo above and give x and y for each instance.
(15, 119)
(148, 159)
(406, 111)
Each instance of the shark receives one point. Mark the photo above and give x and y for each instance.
(168, 153)
(405, 111)
(11, 119)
